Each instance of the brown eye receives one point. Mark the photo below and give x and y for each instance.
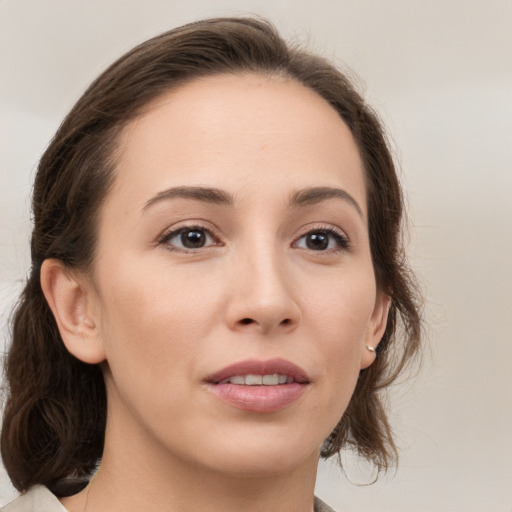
(193, 238)
(188, 238)
(322, 240)
(317, 241)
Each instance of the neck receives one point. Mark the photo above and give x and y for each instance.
(136, 473)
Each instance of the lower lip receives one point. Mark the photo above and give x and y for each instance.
(258, 398)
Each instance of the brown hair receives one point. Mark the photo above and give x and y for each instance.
(55, 412)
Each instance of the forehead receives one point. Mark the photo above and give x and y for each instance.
(237, 132)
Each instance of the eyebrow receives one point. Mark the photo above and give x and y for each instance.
(304, 197)
(315, 195)
(203, 194)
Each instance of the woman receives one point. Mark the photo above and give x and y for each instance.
(217, 284)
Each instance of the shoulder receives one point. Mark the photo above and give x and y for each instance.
(40, 499)
(36, 499)
(320, 506)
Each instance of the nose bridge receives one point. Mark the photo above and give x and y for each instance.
(263, 297)
(267, 273)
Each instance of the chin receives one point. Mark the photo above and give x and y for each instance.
(260, 463)
(261, 452)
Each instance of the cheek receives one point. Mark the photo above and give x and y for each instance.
(155, 329)
(341, 305)
(339, 319)
(152, 323)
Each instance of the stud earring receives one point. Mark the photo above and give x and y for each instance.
(371, 349)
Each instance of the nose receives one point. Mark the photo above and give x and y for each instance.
(262, 298)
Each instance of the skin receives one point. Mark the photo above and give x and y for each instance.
(160, 318)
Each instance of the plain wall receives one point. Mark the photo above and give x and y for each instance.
(440, 74)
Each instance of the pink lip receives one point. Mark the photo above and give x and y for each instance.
(259, 398)
(255, 367)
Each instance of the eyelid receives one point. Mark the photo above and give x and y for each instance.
(339, 234)
(191, 225)
(342, 238)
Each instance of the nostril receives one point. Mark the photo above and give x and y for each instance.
(265, 324)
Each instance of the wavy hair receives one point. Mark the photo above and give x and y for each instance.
(55, 411)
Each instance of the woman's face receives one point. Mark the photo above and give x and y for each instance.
(233, 250)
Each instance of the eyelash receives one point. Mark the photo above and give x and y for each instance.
(166, 237)
(340, 239)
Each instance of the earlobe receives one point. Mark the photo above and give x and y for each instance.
(71, 301)
(376, 329)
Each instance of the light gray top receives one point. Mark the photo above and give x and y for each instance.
(37, 499)
(40, 499)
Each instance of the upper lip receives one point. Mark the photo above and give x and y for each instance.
(255, 367)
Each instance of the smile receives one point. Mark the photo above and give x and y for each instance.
(258, 380)
(259, 386)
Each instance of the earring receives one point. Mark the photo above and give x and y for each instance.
(371, 349)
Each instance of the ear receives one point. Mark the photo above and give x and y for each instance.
(73, 301)
(376, 328)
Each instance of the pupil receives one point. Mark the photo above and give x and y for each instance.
(192, 239)
(317, 241)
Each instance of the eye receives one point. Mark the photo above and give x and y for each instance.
(323, 240)
(188, 238)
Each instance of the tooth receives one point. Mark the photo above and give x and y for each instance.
(270, 380)
(258, 380)
(253, 380)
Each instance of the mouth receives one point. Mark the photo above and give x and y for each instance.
(259, 386)
(258, 380)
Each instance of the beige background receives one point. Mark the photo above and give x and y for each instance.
(440, 73)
